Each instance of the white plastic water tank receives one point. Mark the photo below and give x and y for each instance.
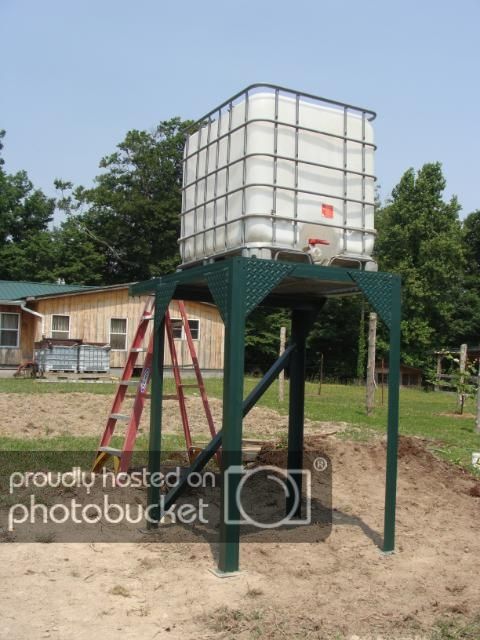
(274, 172)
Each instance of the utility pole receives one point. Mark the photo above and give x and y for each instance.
(372, 340)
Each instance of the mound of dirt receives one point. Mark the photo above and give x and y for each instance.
(475, 490)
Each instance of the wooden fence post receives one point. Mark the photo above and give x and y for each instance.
(372, 339)
(439, 372)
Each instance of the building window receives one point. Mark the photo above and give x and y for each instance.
(194, 328)
(177, 328)
(118, 334)
(179, 332)
(61, 327)
(9, 329)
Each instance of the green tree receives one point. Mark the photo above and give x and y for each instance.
(336, 336)
(27, 250)
(420, 237)
(471, 229)
(78, 258)
(468, 310)
(131, 215)
(262, 338)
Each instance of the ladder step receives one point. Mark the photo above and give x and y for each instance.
(129, 383)
(137, 350)
(170, 397)
(147, 317)
(111, 451)
(120, 416)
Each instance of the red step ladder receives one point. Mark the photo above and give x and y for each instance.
(122, 457)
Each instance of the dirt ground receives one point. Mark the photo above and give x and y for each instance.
(340, 587)
(84, 414)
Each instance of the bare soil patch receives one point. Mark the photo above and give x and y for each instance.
(460, 416)
(85, 414)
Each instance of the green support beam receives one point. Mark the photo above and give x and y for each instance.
(302, 322)
(393, 415)
(155, 443)
(296, 413)
(232, 416)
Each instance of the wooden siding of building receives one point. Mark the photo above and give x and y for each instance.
(90, 315)
(11, 356)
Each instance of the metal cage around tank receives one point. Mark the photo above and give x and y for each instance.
(210, 193)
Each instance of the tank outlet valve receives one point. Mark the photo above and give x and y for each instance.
(314, 249)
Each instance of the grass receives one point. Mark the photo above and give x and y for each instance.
(456, 630)
(270, 624)
(424, 414)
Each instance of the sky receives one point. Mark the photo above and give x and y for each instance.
(77, 75)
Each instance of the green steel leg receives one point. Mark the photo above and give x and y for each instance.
(300, 327)
(392, 429)
(155, 444)
(232, 415)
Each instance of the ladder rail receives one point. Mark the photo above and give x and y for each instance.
(198, 372)
(138, 406)
(178, 381)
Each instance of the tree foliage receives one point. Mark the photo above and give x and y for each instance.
(420, 238)
(131, 215)
(26, 248)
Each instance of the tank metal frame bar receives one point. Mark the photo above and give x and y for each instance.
(211, 147)
(237, 285)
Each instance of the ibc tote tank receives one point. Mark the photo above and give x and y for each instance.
(276, 173)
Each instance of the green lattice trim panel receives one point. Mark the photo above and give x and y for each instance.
(218, 284)
(163, 296)
(261, 277)
(377, 288)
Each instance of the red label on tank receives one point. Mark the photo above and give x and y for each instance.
(327, 210)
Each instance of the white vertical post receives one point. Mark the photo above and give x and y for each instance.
(439, 372)
(462, 366)
(281, 375)
(372, 339)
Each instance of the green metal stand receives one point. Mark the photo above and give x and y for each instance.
(232, 416)
(237, 285)
(301, 324)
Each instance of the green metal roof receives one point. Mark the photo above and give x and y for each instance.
(18, 290)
